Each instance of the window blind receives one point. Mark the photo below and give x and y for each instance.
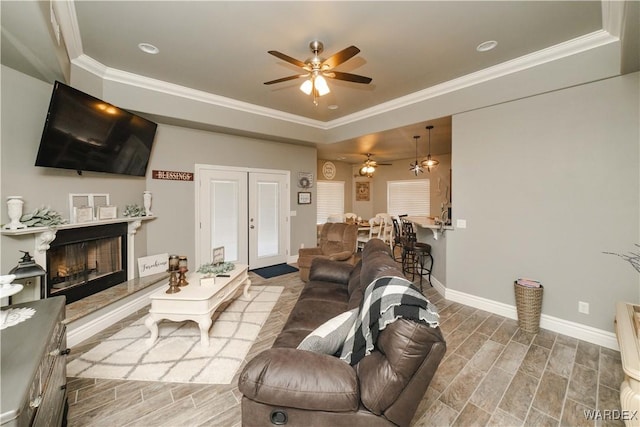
(411, 197)
(330, 195)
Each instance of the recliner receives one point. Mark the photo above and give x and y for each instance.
(337, 242)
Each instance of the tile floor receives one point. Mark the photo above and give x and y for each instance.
(493, 374)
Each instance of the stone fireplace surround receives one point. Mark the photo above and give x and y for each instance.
(90, 315)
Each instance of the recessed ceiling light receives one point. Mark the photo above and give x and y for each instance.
(485, 46)
(332, 107)
(148, 48)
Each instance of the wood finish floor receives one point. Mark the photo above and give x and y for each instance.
(493, 374)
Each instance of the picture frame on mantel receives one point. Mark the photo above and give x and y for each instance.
(107, 212)
(81, 200)
(84, 214)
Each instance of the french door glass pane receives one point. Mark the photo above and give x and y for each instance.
(268, 219)
(224, 219)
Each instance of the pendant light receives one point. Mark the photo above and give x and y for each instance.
(415, 167)
(429, 163)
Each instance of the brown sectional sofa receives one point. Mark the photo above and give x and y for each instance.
(287, 386)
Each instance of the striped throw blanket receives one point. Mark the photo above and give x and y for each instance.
(385, 300)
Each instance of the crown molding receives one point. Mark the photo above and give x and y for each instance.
(553, 53)
(126, 78)
(65, 12)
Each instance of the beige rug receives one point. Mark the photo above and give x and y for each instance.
(177, 355)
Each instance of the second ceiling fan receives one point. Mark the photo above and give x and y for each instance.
(317, 68)
(369, 166)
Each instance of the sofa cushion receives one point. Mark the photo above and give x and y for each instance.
(325, 291)
(401, 349)
(310, 313)
(288, 377)
(329, 337)
(354, 277)
(327, 270)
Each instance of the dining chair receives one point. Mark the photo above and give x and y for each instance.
(375, 224)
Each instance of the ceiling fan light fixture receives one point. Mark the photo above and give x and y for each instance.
(367, 170)
(321, 85)
(307, 87)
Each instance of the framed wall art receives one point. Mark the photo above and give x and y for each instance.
(304, 198)
(362, 191)
(305, 179)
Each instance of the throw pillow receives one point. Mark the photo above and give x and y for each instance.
(329, 337)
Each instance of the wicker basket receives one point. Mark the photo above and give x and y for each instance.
(529, 306)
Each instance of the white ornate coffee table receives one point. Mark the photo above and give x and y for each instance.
(196, 302)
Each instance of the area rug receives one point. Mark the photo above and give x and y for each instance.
(274, 270)
(177, 355)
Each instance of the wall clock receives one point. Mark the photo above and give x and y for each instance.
(329, 170)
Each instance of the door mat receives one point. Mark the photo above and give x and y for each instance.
(274, 270)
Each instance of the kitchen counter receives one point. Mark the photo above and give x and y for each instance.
(430, 224)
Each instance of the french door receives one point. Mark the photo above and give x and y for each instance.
(246, 212)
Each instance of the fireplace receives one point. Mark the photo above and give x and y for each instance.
(84, 261)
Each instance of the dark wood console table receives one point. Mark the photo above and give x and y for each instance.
(34, 367)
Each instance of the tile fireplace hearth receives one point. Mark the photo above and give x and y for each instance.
(92, 261)
(91, 314)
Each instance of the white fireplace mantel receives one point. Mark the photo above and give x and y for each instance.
(43, 236)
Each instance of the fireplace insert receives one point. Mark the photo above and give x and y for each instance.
(87, 260)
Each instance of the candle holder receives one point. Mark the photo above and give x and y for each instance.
(173, 262)
(173, 283)
(182, 279)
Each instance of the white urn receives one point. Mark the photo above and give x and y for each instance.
(146, 198)
(14, 209)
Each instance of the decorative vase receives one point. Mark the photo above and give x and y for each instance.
(14, 209)
(146, 197)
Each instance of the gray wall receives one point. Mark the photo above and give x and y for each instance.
(547, 184)
(179, 149)
(25, 102)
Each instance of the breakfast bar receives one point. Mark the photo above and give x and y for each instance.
(427, 231)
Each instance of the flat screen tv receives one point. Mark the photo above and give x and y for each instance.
(84, 133)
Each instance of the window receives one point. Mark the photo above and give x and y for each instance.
(411, 197)
(330, 197)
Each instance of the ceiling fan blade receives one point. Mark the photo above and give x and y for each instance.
(285, 79)
(287, 58)
(348, 77)
(340, 57)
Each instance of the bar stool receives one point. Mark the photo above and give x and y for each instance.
(415, 254)
(396, 240)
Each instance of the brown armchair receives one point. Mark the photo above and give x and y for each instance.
(337, 242)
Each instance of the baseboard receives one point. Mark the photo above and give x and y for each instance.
(551, 323)
(86, 327)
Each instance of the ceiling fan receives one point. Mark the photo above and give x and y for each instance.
(369, 166)
(317, 68)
